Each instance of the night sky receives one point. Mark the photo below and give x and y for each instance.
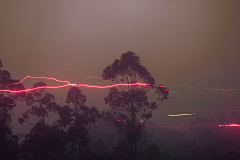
(187, 46)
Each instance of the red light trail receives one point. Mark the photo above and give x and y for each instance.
(87, 85)
(42, 78)
(92, 77)
(229, 125)
(124, 121)
(73, 84)
(225, 90)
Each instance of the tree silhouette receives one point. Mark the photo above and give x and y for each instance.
(123, 151)
(131, 101)
(45, 140)
(8, 142)
(153, 152)
(78, 119)
(42, 107)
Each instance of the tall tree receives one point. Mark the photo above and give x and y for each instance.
(78, 119)
(45, 140)
(132, 100)
(7, 103)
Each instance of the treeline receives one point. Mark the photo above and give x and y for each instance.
(62, 131)
(76, 131)
(203, 140)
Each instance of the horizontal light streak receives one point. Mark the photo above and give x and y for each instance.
(229, 125)
(178, 115)
(74, 84)
(225, 90)
(124, 120)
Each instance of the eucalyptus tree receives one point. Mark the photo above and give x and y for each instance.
(78, 120)
(45, 140)
(132, 99)
(7, 103)
(41, 106)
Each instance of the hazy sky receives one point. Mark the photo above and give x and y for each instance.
(187, 45)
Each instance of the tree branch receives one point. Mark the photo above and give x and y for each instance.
(147, 140)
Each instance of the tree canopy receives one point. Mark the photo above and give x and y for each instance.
(7, 103)
(132, 100)
(78, 120)
(42, 106)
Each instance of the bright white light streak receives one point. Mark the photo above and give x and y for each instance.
(178, 115)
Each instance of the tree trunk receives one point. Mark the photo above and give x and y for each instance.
(79, 150)
(134, 133)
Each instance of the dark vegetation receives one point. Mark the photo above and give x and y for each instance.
(76, 131)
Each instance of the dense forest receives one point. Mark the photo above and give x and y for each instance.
(75, 131)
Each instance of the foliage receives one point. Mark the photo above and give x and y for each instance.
(123, 151)
(153, 152)
(8, 142)
(78, 119)
(131, 101)
(42, 106)
(44, 142)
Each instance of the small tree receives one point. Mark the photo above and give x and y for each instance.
(132, 100)
(78, 119)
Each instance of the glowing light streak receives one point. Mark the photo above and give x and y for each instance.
(89, 77)
(178, 115)
(229, 125)
(114, 85)
(32, 89)
(41, 78)
(72, 84)
(92, 77)
(124, 121)
(225, 90)
(174, 115)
